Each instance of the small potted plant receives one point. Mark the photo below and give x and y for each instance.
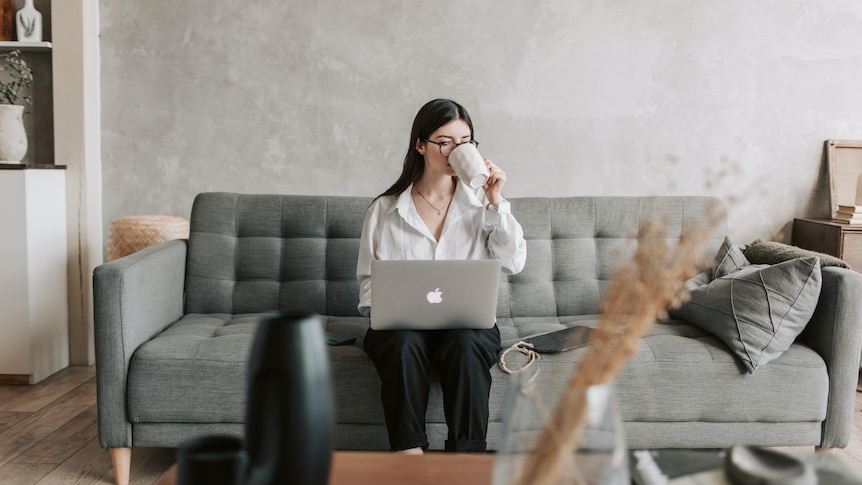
(15, 74)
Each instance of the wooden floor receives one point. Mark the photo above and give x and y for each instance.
(48, 436)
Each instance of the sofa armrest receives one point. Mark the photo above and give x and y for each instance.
(835, 332)
(134, 298)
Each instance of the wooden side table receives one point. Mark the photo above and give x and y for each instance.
(840, 240)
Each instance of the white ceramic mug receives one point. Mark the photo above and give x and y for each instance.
(469, 165)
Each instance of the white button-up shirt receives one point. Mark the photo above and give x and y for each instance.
(393, 229)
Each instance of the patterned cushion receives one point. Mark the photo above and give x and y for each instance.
(757, 310)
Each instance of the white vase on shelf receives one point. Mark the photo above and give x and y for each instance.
(28, 22)
(13, 138)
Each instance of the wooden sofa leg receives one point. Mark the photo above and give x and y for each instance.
(121, 459)
(828, 451)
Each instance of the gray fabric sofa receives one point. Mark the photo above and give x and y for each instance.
(174, 324)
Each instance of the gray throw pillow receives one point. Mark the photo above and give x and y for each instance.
(729, 258)
(757, 310)
(771, 252)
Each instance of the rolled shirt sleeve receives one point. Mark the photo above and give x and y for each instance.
(505, 237)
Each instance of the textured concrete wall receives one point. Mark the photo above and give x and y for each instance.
(586, 97)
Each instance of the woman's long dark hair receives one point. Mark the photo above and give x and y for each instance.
(433, 115)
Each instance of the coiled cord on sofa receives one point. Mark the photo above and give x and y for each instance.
(525, 348)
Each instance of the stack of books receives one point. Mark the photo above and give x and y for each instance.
(848, 214)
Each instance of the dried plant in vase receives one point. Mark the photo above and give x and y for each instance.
(19, 76)
(638, 294)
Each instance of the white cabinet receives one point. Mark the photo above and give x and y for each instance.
(34, 333)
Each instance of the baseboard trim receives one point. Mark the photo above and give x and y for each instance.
(14, 379)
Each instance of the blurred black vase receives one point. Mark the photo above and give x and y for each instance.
(211, 460)
(290, 417)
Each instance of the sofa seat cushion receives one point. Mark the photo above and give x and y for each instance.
(706, 382)
(196, 370)
(681, 373)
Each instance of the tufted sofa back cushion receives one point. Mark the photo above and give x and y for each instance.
(260, 253)
(574, 244)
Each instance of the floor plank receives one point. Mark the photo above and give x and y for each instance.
(10, 392)
(87, 466)
(47, 391)
(150, 464)
(33, 429)
(9, 419)
(63, 443)
(49, 418)
(851, 456)
(23, 474)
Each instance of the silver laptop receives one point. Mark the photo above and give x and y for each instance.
(428, 295)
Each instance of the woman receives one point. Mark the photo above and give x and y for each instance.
(429, 214)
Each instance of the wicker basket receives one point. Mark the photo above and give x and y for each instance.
(133, 233)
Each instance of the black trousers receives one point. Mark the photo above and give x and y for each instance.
(462, 358)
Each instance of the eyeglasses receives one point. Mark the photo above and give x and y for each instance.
(446, 147)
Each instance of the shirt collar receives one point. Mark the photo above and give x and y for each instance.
(403, 202)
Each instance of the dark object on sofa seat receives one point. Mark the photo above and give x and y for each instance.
(335, 338)
(561, 340)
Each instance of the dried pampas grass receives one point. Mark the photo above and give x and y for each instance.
(639, 293)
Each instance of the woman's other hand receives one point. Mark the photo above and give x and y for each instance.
(494, 185)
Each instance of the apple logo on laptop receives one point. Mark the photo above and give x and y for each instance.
(435, 296)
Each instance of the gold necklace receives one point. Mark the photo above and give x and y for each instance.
(439, 211)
